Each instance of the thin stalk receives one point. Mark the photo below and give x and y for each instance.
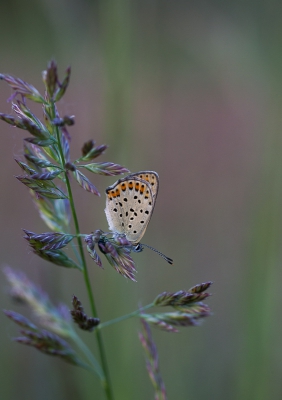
(77, 255)
(85, 366)
(106, 381)
(127, 316)
(95, 365)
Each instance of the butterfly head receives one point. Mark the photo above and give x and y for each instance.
(137, 248)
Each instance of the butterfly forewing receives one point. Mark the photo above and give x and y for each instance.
(151, 177)
(129, 205)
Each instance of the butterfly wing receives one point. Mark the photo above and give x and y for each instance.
(151, 177)
(129, 206)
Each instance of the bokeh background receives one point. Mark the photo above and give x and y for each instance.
(192, 90)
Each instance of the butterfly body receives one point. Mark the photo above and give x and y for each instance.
(129, 206)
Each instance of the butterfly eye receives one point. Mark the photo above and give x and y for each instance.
(138, 248)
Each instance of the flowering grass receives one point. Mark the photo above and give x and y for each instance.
(45, 171)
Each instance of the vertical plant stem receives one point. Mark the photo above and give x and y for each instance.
(106, 382)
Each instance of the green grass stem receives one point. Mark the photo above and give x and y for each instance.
(106, 381)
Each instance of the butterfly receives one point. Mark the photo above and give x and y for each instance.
(130, 204)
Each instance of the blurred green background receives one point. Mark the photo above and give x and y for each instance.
(192, 90)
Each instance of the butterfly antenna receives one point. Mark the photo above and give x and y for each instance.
(169, 260)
